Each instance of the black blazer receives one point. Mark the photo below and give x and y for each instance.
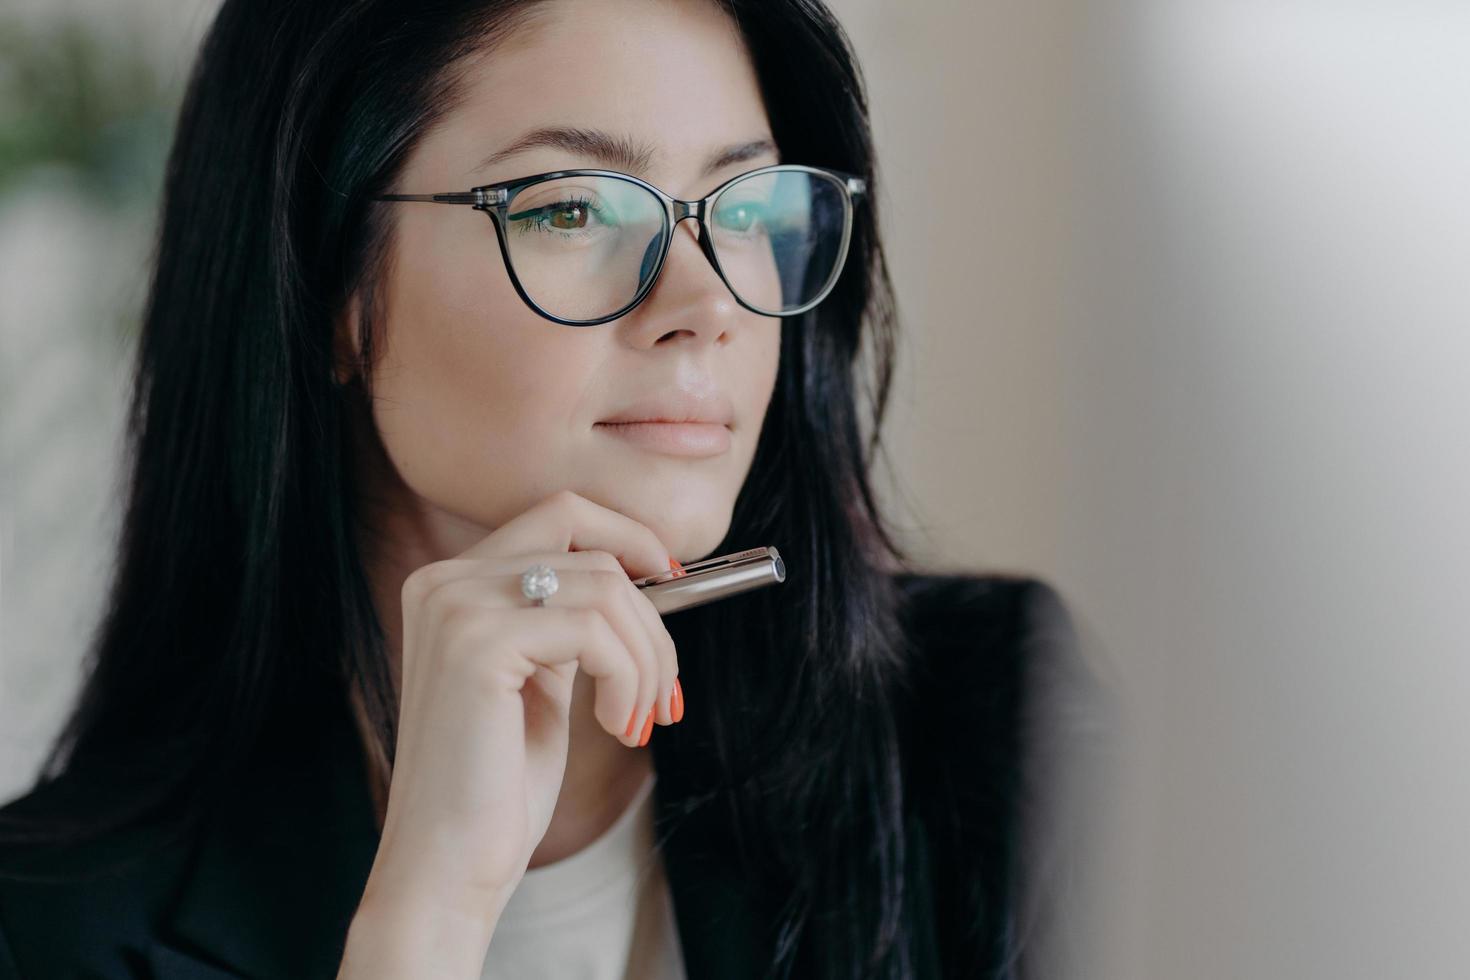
(269, 889)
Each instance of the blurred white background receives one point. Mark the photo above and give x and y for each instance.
(1188, 330)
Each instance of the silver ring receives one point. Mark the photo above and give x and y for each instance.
(538, 583)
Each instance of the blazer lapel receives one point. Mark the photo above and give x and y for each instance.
(276, 878)
(919, 908)
(168, 962)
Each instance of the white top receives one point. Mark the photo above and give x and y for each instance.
(603, 913)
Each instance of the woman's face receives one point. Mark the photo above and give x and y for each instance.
(482, 406)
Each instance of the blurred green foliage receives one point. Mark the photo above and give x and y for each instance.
(85, 98)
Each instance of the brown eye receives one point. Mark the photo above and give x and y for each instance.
(569, 218)
(576, 214)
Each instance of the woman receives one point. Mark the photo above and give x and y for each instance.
(326, 730)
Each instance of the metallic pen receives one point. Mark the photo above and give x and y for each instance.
(713, 578)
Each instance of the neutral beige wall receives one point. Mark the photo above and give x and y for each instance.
(972, 106)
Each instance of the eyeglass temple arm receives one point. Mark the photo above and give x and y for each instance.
(458, 197)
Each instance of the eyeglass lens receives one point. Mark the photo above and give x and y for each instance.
(583, 246)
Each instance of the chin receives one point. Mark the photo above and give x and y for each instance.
(691, 528)
(690, 541)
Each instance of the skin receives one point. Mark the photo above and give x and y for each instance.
(483, 408)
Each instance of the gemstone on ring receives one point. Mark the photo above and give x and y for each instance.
(538, 583)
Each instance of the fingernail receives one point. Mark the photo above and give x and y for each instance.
(674, 566)
(676, 705)
(631, 720)
(647, 729)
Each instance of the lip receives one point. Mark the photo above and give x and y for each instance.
(672, 405)
(672, 438)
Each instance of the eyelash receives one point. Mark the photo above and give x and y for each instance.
(543, 216)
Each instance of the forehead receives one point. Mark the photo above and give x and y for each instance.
(671, 78)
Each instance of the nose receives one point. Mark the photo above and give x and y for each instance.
(689, 299)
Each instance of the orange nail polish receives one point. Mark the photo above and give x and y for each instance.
(647, 729)
(675, 567)
(676, 709)
(631, 720)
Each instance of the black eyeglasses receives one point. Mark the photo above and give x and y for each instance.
(585, 246)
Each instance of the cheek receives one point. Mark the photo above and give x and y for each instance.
(770, 359)
(759, 370)
(471, 390)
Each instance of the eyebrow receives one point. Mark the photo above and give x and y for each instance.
(619, 152)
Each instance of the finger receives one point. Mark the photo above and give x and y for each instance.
(642, 629)
(634, 628)
(661, 664)
(501, 649)
(602, 586)
(663, 645)
(426, 578)
(567, 521)
(551, 636)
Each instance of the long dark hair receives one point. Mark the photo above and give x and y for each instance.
(239, 599)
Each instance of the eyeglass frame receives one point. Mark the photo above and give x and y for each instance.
(494, 199)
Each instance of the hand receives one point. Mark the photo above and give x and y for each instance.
(487, 683)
